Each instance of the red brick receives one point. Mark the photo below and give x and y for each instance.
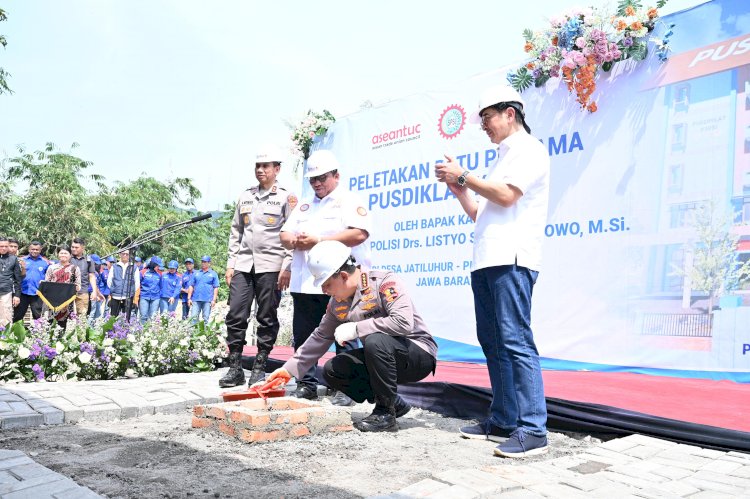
(198, 410)
(259, 436)
(201, 422)
(299, 431)
(227, 429)
(257, 404)
(341, 428)
(216, 412)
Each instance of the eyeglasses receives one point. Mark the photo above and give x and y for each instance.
(319, 178)
(486, 117)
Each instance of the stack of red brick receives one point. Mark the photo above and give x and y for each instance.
(257, 420)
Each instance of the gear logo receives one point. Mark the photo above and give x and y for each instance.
(452, 121)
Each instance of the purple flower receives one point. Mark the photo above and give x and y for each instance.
(38, 372)
(88, 348)
(49, 352)
(627, 41)
(105, 358)
(536, 73)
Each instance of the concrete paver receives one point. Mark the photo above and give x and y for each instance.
(633, 466)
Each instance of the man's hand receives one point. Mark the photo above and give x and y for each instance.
(16, 301)
(279, 373)
(346, 332)
(449, 171)
(170, 301)
(283, 282)
(190, 302)
(213, 303)
(305, 242)
(228, 276)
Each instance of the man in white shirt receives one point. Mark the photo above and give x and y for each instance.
(510, 215)
(332, 213)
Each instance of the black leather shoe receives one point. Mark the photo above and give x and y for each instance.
(377, 422)
(401, 406)
(235, 376)
(341, 399)
(305, 392)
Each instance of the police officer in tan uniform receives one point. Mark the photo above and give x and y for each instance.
(257, 265)
(375, 307)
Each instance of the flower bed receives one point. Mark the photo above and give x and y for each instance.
(109, 349)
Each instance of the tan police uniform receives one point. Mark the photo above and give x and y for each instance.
(387, 323)
(257, 256)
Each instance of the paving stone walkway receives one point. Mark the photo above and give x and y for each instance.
(22, 478)
(636, 466)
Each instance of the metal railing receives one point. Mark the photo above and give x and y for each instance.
(694, 325)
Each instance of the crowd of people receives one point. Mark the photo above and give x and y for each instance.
(318, 249)
(100, 286)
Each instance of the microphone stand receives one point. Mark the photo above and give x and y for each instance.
(144, 238)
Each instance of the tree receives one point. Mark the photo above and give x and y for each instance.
(716, 268)
(4, 88)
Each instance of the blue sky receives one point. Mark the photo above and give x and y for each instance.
(188, 88)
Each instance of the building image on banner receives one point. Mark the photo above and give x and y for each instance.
(629, 184)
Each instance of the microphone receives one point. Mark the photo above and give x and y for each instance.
(200, 218)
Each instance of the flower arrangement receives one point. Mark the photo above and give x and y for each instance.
(109, 349)
(304, 132)
(580, 42)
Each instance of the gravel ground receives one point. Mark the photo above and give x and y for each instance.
(161, 456)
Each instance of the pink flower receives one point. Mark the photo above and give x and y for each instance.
(580, 42)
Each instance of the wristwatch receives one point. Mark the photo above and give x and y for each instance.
(461, 180)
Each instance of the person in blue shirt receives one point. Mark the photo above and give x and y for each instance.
(96, 306)
(171, 284)
(203, 291)
(36, 266)
(102, 283)
(186, 277)
(150, 289)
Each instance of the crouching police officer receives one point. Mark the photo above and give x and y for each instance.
(374, 307)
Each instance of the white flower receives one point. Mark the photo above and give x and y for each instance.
(59, 347)
(130, 338)
(184, 342)
(23, 352)
(154, 343)
(84, 358)
(117, 359)
(108, 342)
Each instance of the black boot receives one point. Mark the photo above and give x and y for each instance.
(383, 417)
(259, 367)
(235, 375)
(401, 406)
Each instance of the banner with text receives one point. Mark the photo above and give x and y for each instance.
(627, 184)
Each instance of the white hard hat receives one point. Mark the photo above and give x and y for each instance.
(325, 258)
(268, 153)
(495, 95)
(320, 162)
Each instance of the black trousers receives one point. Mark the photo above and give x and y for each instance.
(243, 289)
(309, 309)
(117, 307)
(376, 369)
(27, 301)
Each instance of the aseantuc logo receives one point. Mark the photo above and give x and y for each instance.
(397, 136)
(452, 121)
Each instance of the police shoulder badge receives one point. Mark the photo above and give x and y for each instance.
(274, 189)
(292, 200)
(389, 293)
(365, 283)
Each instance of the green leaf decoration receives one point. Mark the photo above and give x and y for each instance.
(541, 80)
(639, 52)
(17, 332)
(109, 325)
(624, 4)
(661, 3)
(521, 80)
(607, 66)
(528, 35)
(94, 336)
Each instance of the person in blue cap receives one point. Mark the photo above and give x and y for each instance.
(203, 291)
(186, 277)
(138, 264)
(150, 289)
(171, 284)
